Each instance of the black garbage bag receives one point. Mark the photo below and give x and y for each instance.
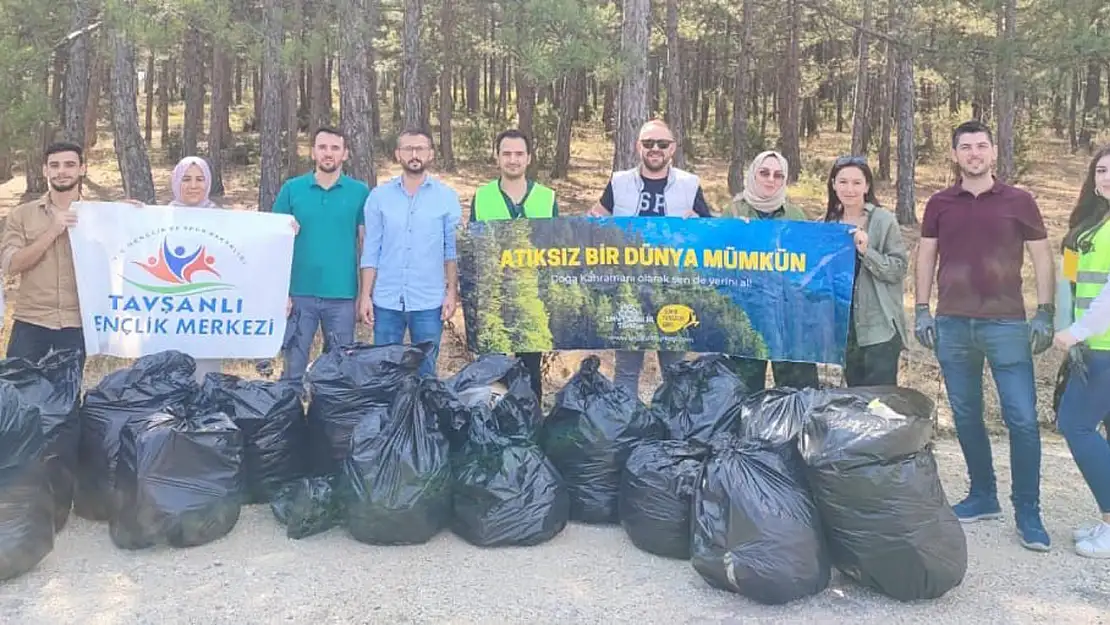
(699, 399)
(54, 385)
(505, 491)
(178, 481)
(657, 491)
(756, 528)
(774, 416)
(271, 417)
(589, 435)
(153, 384)
(308, 506)
(26, 505)
(349, 386)
(875, 480)
(396, 482)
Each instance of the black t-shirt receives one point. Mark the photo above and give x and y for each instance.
(653, 202)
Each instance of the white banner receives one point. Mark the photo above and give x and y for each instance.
(209, 282)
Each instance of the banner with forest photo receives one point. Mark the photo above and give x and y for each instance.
(777, 290)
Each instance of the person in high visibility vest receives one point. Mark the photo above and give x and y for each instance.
(1084, 405)
(513, 196)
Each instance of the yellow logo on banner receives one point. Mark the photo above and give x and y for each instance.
(674, 318)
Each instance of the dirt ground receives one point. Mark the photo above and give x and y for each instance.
(587, 574)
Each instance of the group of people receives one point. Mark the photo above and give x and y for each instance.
(387, 257)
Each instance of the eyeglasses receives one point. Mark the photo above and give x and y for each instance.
(662, 144)
(850, 160)
(767, 173)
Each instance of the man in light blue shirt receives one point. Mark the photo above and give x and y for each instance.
(409, 271)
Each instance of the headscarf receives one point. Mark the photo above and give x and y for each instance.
(765, 204)
(179, 173)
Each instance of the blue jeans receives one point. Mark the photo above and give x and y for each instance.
(423, 326)
(336, 317)
(1082, 408)
(962, 346)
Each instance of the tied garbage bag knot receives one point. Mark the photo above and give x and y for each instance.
(505, 491)
(589, 435)
(871, 468)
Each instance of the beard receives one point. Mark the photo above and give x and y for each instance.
(60, 188)
(414, 167)
(327, 169)
(663, 162)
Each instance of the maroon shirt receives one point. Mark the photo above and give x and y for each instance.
(981, 244)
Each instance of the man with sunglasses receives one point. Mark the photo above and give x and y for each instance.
(410, 277)
(979, 229)
(654, 189)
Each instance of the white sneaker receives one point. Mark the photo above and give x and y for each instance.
(1086, 531)
(1097, 545)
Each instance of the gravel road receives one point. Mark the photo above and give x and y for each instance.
(586, 575)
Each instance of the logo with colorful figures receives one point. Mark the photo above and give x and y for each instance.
(180, 271)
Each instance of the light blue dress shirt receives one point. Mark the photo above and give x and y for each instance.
(408, 239)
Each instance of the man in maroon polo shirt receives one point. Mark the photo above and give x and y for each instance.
(980, 228)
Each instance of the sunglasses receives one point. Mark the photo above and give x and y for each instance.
(767, 173)
(662, 144)
(850, 160)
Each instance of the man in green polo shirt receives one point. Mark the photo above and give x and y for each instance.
(514, 196)
(327, 206)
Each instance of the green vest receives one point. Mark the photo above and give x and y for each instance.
(1093, 269)
(489, 204)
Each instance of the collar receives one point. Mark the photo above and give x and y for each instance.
(994, 189)
(399, 181)
(528, 184)
(338, 181)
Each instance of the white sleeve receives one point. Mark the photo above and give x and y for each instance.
(1097, 318)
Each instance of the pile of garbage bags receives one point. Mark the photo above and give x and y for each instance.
(26, 506)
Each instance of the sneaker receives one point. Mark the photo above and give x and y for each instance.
(1097, 544)
(977, 508)
(1031, 531)
(1086, 531)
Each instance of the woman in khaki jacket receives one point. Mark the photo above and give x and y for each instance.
(877, 326)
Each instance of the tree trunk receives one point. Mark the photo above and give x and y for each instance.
(609, 109)
(319, 97)
(77, 74)
(134, 164)
(194, 92)
(473, 80)
(148, 127)
(1005, 90)
(271, 123)
(410, 62)
(164, 104)
(355, 87)
(525, 104)
(219, 112)
(862, 96)
(35, 181)
(789, 88)
(96, 86)
(675, 109)
(239, 71)
(906, 209)
(292, 125)
(632, 111)
(1073, 111)
(1092, 94)
(446, 103)
(572, 95)
(886, 109)
(740, 100)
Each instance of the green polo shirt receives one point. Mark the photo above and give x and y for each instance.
(325, 254)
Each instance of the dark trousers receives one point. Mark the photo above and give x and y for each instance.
(33, 342)
(532, 362)
(753, 373)
(873, 365)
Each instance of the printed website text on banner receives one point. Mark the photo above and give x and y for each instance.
(211, 283)
(776, 290)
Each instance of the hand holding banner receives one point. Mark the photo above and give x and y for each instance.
(211, 283)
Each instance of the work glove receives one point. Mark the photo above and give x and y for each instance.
(925, 327)
(1041, 328)
(1077, 363)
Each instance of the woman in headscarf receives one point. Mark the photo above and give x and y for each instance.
(764, 197)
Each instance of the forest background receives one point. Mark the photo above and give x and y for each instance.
(244, 83)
